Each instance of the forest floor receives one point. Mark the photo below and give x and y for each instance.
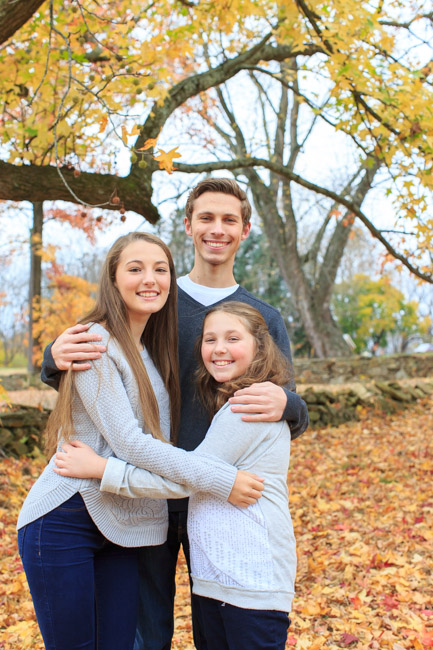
(361, 498)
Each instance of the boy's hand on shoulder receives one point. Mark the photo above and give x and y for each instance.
(263, 402)
(75, 344)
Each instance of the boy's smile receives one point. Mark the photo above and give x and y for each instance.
(216, 229)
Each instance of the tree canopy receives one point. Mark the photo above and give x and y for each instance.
(82, 78)
(79, 71)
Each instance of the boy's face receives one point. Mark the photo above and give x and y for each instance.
(216, 228)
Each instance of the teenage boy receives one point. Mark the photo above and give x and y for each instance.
(217, 219)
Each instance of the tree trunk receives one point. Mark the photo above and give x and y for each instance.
(35, 275)
(322, 332)
(14, 14)
(324, 336)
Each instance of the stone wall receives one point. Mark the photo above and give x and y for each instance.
(343, 370)
(357, 369)
(384, 382)
(336, 405)
(21, 430)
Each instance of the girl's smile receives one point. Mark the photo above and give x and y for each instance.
(227, 348)
(143, 280)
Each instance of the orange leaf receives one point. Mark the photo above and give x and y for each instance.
(103, 123)
(150, 142)
(165, 159)
(135, 130)
(427, 639)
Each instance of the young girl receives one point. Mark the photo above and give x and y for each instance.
(243, 562)
(77, 543)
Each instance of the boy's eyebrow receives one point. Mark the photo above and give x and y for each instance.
(226, 214)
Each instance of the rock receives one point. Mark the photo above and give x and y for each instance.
(5, 437)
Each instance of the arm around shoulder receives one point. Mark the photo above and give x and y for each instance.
(296, 414)
(50, 374)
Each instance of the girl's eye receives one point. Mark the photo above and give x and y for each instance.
(134, 269)
(233, 338)
(162, 270)
(208, 340)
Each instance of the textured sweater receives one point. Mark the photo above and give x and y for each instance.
(107, 416)
(194, 421)
(242, 556)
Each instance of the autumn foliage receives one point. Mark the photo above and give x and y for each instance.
(81, 77)
(361, 502)
(70, 298)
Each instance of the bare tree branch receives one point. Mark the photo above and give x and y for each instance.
(284, 172)
(191, 86)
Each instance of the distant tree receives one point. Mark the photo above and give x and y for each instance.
(258, 271)
(376, 314)
(13, 311)
(172, 231)
(12, 329)
(70, 298)
(77, 219)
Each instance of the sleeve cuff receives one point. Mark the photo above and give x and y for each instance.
(112, 478)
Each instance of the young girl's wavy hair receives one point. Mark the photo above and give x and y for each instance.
(159, 337)
(269, 363)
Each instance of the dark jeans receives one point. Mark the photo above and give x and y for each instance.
(234, 628)
(84, 588)
(157, 570)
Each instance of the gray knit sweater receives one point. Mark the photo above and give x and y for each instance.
(242, 556)
(107, 416)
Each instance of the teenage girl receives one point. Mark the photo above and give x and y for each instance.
(243, 562)
(78, 544)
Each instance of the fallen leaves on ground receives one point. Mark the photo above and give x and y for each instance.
(361, 500)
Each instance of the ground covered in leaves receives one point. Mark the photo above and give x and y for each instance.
(362, 504)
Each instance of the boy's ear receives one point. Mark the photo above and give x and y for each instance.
(246, 231)
(188, 229)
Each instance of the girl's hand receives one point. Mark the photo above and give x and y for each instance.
(247, 488)
(80, 461)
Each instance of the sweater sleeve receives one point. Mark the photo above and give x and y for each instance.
(229, 439)
(134, 482)
(104, 397)
(296, 412)
(50, 374)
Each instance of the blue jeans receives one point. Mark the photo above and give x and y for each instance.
(84, 587)
(234, 628)
(157, 570)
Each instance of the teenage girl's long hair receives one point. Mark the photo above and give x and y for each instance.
(269, 363)
(159, 337)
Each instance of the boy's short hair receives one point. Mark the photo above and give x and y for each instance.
(225, 186)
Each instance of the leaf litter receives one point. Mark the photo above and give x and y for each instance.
(361, 499)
